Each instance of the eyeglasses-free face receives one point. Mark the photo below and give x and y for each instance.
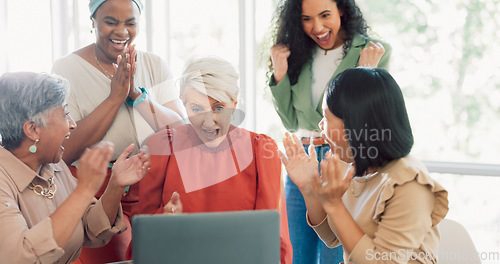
(116, 26)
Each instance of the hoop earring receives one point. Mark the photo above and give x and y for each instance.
(33, 147)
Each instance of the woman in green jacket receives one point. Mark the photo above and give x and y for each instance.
(315, 41)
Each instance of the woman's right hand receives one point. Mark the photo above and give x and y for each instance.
(279, 58)
(301, 168)
(93, 166)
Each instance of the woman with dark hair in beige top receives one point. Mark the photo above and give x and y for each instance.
(385, 208)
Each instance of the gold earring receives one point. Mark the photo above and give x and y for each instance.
(33, 147)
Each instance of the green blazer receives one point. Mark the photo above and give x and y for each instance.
(293, 102)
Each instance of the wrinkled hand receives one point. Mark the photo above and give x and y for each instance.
(128, 171)
(301, 168)
(279, 58)
(174, 206)
(93, 166)
(332, 185)
(370, 56)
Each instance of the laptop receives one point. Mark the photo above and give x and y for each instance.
(236, 237)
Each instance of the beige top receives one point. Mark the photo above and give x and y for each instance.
(90, 87)
(26, 228)
(398, 210)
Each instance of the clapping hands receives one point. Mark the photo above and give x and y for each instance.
(122, 83)
(130, 170)
(327, 187)
(334, 181)
(301, 168)
(92, 167)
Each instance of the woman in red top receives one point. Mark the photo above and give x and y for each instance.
(211, 164)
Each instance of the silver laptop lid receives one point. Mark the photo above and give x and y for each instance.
(224, 237)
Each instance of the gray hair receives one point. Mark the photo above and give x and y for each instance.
(212, 76)
(27, 96)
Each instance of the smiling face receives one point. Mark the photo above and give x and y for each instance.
(210, 118)
(116, 24)
(321, 22)
(333, 131)
(57, 129)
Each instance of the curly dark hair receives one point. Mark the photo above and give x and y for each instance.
(289, 31)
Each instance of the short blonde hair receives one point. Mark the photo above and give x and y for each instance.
(212, 76)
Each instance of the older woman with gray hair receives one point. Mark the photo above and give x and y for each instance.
(45, 213)
(210, 164)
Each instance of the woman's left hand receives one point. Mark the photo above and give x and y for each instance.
(332, 185)
(370, 56)
(174, 206)
(129, 56)
(134, 92)
(128, 171)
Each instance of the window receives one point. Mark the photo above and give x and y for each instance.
(448, 73)
(27, 38)
(473, 203)
(447, 70)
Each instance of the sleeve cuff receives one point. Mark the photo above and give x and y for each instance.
(98, 222)
(315, 226)
(41, 238)
(324, 232)
(280, 89)
(272, 81)
(360, 253)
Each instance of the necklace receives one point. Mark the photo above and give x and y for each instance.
(45, 192)
(364, 184)
(99, 64)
